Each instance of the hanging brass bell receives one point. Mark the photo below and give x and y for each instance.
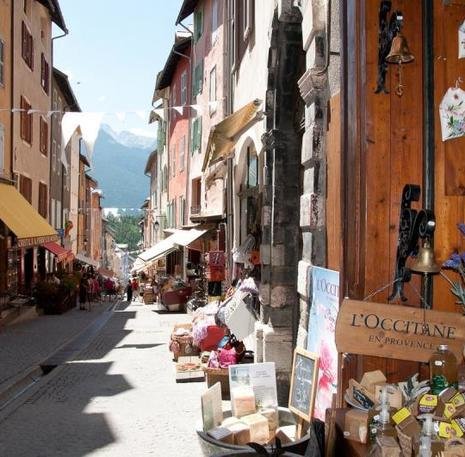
(400, 52)
(425, 261)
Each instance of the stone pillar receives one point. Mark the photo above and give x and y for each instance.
(320, 81)
(280, 246)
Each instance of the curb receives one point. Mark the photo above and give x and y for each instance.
(33, 374)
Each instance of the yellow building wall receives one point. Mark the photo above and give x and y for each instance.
(27, 159)
(5, 88)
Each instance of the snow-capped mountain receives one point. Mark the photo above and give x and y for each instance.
(129, 139)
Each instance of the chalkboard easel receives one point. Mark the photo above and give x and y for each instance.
(304, 379)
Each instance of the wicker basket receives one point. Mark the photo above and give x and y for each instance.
(221, 375)
(182, 345)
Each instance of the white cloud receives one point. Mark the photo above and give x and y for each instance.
(102, 98)
(143, 132)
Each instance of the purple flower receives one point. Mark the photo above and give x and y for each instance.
(461, 227)
(454, 261)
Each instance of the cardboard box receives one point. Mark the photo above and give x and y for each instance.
(356, 425)
(394, 395)
(372, 378)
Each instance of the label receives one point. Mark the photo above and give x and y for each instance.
(458, 400)
(428, 403)
(449, 410)
(401, 415)
(438, 363)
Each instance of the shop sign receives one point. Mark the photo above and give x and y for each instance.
(397, 332)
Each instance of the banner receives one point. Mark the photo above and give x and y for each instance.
(322, 334)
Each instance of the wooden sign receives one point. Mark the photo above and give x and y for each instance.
(303, 383)
(397, 332)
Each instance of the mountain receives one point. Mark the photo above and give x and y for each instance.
(118, 165)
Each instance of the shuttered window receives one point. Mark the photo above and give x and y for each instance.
(27, 47)
(2, 62)
(43, 200)
(25, 121)
(44, 73)
(25, 188)
(197, 85)
(196, 134)
(182, 153)
(43, 136)
(198, 24)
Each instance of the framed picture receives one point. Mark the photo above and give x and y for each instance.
(303, 383)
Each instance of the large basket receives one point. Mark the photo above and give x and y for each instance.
(221, 375)
(185, 345)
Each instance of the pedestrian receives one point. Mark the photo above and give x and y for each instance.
(129, 291)
(156, 291)
(83, 292)
(135, 288)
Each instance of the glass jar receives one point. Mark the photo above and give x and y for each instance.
(442, 369)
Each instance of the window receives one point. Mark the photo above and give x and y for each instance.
(43, 200)
(55, 100)
(27, 48)
(54, 155)
(196, 134)
(252, 168)
(182, 153)
(2, 63)
(212, 91)
(44, 73)
(173, 209)
(43, 136)
(26, 121)
(232, 34)
(197, 85)
(173, 161)
(25, 188)
(2, 149)
(184, 88)
(214, 21)
(196, 196)
(198, 24)
(174, 101)
(181, 206)
(247, 18)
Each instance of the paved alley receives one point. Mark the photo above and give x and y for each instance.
(117, 397)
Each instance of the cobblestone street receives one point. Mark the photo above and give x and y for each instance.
(117, 397)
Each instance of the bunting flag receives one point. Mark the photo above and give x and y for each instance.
(179, 109)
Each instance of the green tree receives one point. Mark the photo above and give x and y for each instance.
(126, 229)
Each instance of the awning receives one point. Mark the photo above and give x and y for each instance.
(186, 237)
(138, 265)
(88, 260)
(105, 272)
(162, 248)
(222, 135)
(60, 252)
(30, 228)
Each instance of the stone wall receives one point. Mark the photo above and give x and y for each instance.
(321, 80)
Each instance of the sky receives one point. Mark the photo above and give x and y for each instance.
(113, 52)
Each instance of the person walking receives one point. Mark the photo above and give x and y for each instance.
(135, 288)
(83, 292)
(129, 291)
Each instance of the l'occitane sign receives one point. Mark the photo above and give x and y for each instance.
(398, 332)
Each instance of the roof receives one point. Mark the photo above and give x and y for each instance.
(145, 204)
(30, 228)
(91, 179)
(55, 13)
(187, 8)
(62, 82)
(83, 158)
(150, 160)
(166, 75)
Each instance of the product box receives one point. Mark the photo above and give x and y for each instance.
(388, 447)
(371, 379)
(356, 425)
(394, 395)
(360, 394)
(407, 423)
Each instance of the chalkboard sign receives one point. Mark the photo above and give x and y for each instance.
(303, 383)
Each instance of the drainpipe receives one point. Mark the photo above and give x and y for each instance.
(428, 128)
(12, 56)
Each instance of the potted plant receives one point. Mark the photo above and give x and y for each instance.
(46, 295)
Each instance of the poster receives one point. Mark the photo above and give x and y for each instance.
(261, 377)
(322, 334)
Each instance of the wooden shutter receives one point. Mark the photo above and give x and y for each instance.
(25, 121)
(43, 136)
(25, 188)
(43, 200)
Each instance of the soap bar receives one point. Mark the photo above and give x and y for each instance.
(241, 433)
(242, 401)
(286, 434)
(272, 417)
(259, 431)
(388, 446)
(222, 434)
(230, 421)
(371, 378)
(356, 425)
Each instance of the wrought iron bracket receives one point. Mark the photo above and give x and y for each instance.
(413, 225)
